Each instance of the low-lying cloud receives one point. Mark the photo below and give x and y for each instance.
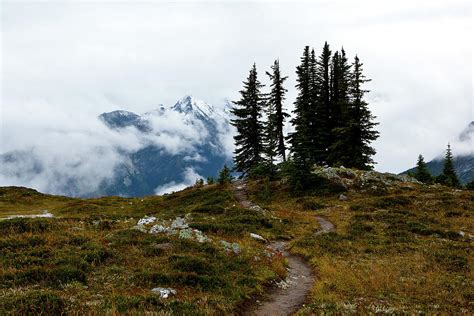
(75, 155)
(190, 176)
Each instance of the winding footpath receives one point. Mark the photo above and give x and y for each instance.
(290, 294)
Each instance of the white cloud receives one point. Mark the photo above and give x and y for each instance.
(63, 63)
(189, 178)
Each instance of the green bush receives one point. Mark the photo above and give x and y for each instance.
(33, 303)
(41, 275)
(393, 201)
(262, 171)
(26, 225)
(451, 261)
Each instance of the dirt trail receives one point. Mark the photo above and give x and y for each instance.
(326, 226)
(289, 294)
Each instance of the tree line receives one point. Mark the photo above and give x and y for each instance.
(447, 177)
(332, 124)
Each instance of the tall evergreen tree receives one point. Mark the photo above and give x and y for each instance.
(422, 174)
(449, 176)
(300, 140)
(248, 112)
(276, 114)
(323, 106)
(313, 122)
(362, 125)
(340, 111)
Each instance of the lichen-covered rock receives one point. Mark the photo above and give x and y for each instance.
(231, 247)
(360, 179)
(257, 237)
(158, 228)
(179, 223)
(179, 226)
(146, 220)
(163, 291)
(256, 208)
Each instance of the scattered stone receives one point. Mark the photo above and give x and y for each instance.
(461, 233)
(256, 208)
(164, 292)
(360, 179)
(156, 229)
(179, 226)
(179, 223)
(147, 220)
(342, 197)
(231, 247)
(257, 237)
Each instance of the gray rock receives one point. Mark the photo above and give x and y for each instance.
(231, 247)
(146, 220)
(343, 197)
(257, 237)
(164, 292)
(179, 223)
(156, 229)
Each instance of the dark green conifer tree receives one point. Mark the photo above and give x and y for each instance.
(275, 140)
(340, 112)
(313, 118)
(248, 112)
(225, 176)
(300, 140)
(322, 97)
(422, 174)
(361, 125)
(449, 176)
(470, 185)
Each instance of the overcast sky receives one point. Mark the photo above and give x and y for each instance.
(65, 62)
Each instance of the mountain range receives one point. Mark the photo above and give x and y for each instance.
(172, 147)
(153, 170)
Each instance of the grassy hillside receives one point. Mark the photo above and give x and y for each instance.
(89, 259)
(398, 247)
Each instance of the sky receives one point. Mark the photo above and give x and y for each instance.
(65, 62)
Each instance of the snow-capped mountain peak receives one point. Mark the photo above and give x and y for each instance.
(190, 105)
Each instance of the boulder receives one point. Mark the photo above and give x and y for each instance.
(257, 237)
(164, 292)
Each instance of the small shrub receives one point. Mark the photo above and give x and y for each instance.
(190, 264)
(451, 261)
(33, 303)
(360, 229)
(209, 209)
(309, 204)
(393, 201)
(26, 225)
(453, 214)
